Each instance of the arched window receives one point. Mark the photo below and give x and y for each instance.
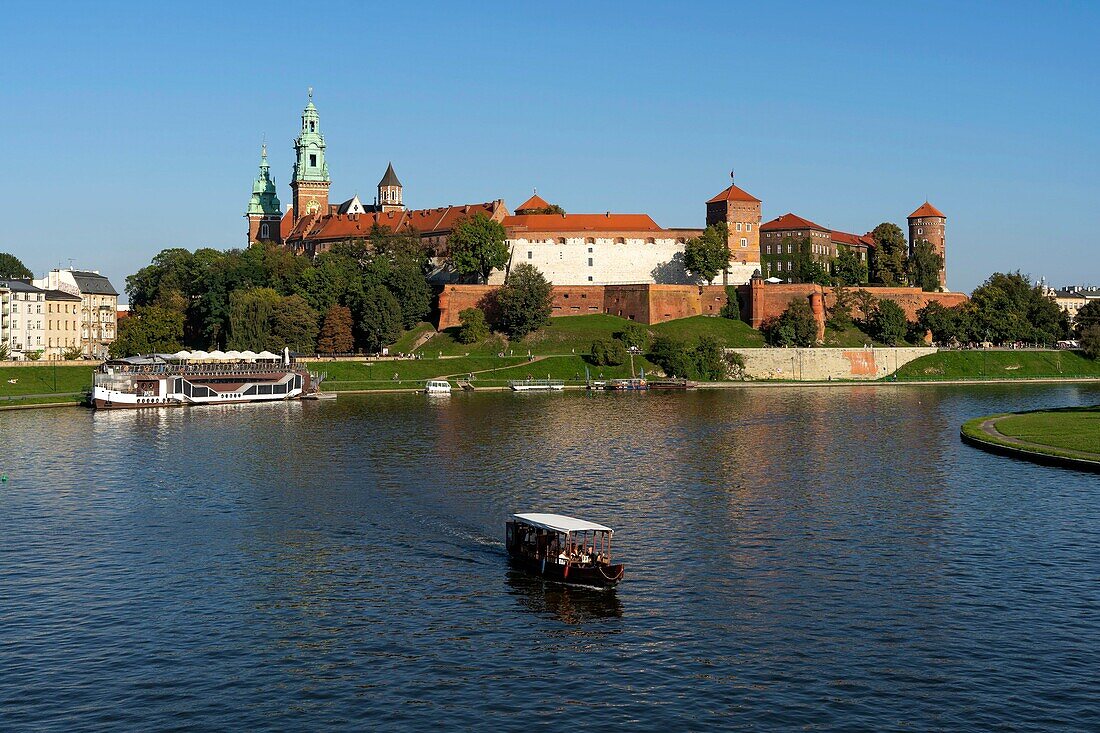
(263, 231)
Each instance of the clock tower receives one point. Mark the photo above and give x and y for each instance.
(310, 181)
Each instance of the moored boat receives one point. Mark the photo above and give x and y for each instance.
(536, 385)
(563, 549)
(437, 386)
(198, 378)
(634, 384)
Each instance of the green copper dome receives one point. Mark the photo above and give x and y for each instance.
(309, 163)
(264, 198)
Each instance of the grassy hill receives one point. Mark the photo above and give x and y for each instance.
(996, 364)
(62, 383)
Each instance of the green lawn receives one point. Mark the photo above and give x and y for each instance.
(850, 337)
(570, 369)
(411, 373)
(1074, 429)
(44, 379)
(729, 333)
(996, 364)
(404, 345)
(446, 343)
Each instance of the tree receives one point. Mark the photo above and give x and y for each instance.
(840, 314)
(525, 301)
(11, 267)
(890, 255)
(336, 336)
(925, 266)
(849, 269)
(406, 282)
(1087, 316)
(33, 355)
(250, 319)
(702, 360)
(379, 319)
(943, 322)
(866, 304)
(608, 352)
(794, 327)
(5, 352)
(149, 330)
(72, 353)
(812, 271)
(477, 247)
(1090, 341)
(551, 209)
(474, 326)
(888, 323)
(1007, 307)
(294, 325)
(634, 336)
(708, 254)
(731, 309)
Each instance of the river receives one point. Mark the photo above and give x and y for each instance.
(797, 558)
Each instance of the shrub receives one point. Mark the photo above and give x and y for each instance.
(888, 323)
(608, 352)
(474, 326)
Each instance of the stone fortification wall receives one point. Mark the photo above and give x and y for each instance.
(643, 303)
(813, 365)
(761, 301)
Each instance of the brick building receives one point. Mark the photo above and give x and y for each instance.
(929, 224)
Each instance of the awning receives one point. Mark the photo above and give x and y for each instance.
(561, 523)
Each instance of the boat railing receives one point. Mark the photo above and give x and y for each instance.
(537, 382)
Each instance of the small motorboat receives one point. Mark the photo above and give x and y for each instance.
(563, 549)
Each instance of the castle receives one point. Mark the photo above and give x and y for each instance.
(601, 249)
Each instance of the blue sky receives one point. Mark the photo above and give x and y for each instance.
(129, 128)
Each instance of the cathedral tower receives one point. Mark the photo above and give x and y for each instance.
(389, 192)
(930, 224)
(263, 208)
(310, 181)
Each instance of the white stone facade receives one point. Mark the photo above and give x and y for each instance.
(21, 319)
(602, 259)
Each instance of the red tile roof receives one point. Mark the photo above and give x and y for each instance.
(535, 202)
(927, 209)
(853, 240)
(580, 222)
(790, 221)
(733, 193)
(422, 221)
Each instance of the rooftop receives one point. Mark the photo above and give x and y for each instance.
(927, 209)
(607, 222)
(535, 202)
(790, 221)
(733, 193)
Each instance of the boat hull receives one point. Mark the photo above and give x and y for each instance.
(606, 576)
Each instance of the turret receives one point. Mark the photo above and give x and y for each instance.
(930, 224)
(389, 192)
(263, 212)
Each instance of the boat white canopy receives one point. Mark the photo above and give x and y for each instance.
(561, 523)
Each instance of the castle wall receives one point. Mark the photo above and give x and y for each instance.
(824, 364)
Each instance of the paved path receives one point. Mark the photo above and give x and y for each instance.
(989, 427)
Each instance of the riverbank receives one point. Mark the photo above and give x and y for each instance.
(1068, 437)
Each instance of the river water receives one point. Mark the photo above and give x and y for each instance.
(797, 558)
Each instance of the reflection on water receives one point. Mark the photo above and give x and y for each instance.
(829, 558)
(568, 604)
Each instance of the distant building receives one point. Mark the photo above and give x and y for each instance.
(98, 306)
(1073, 298)
(62, 323)
(740, 211)
(781, 239)
(21, 318)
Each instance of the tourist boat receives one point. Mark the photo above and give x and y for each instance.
(437, 386)
(627, 385)
(536, 385)
(199, 378)
(563, 549)
(670, 384)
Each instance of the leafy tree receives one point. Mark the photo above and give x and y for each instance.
(735, 365)
(608, 352)
(671, 354)
(250, 313)
(839, 316)
(865, 301)
(294, 325)
(33, 355)
(524, 301)
(813, 271)
(888, 323)
(708, 254)
(924, 266)
(1090, 341)
(5, 352)
(702, 360)
(944, 323)
(477, 247)
(731, 309)
(149, 330)
(634, 336)
(794, 327)
(12, 267)
(1007, 307)
(849, 269)
(474, 326)
(336, 336)
(73, 353)
(890, 255)
(551, 209)
(379, 318)
(1088, 315)
(406, 282)
(706, 356)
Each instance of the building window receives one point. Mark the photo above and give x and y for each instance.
(589, 250)
(920, 231)
(744, 242)
(313, 127)
(589, 278)
(768, 249)
(748, 227)
(528, 254)
(590, 262)
(263, 231)
(738, 226)
(312, 161)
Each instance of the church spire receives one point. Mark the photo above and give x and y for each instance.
(264, 210)
(310, 181)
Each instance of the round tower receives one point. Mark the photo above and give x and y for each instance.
(929, 224)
